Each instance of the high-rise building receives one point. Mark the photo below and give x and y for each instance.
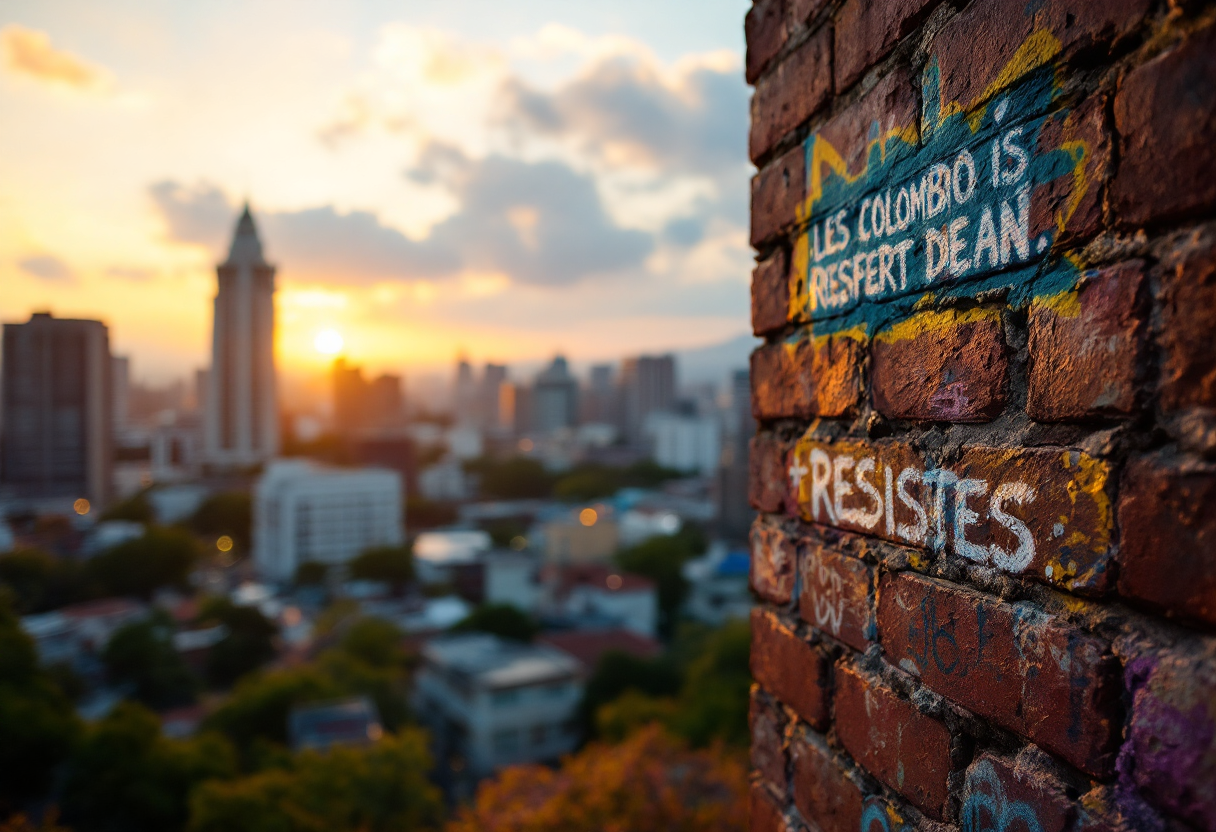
(492, 380)
(601, 402)
(58, 410)
(555, 398)
(121, 378)
(241, 425)
(465, 393)
(649, 386)
(362, 406)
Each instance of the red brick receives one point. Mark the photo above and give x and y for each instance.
(823, 792)
(1188, 318)
(800, 12)
(1165, 114)
(892, 105)
(1040, 512)
(770, 294)
(807, 376)
(1168, 550)
(1086, 346)
(1170, 753)
(790, 93)
(774, 558)
(867, 30)
(979, 45)
(789, 668)
(890, 738)
(943, 366)
(766, 29)
(835, 595)
(1000, 792)
(768, 742)
(777, 194)
(1028, 671)
(764, 814)
(1083, 130)
(768, 473)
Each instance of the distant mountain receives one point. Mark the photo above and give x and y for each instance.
(715, 362)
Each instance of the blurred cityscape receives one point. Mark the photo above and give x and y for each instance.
(518, 564)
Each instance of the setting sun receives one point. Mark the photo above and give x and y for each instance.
(328, 342)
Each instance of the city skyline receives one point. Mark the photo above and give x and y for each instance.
(428, 182)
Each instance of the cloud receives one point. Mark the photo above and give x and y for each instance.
(202, 214)
(29, 52)
(47, 267)
(628, 110)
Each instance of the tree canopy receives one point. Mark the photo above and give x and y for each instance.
(393, 565)
(662, 558)
(502, 620)
(142, 655)
(164, 556)
(227, 513)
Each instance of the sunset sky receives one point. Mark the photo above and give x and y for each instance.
(509, 179)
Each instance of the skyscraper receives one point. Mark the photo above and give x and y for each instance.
(555, 398)
(58, 410)
(241, 426)
(649, 386)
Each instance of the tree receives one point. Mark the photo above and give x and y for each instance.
(125, 775)
(38, 725)
(41, 581)
(311, 573)
(617, 672)
(142, 655)
(393, 565)
(713, 701)
(501, 620)
(259, 705)
(421, 513)
(662, 558)
(248, 645)
(229, 513)
(162, 557)
(378, 788)
(135, 509)
(648, 783)
(516, 478)
(374, 641)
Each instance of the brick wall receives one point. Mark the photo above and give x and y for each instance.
(986, 462)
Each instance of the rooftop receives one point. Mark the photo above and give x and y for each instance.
(589, 645)
(497, 662)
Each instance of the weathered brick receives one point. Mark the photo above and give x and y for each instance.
(791, 93)
(768, 473)
(1039, 512)
(824, 792)
(1170, 753)
(768, 742)
(1086, 345)
(890, 107)
(949, 366)
(981, 45)
(1000, 792)
(1165, 114)
(774, 559)
(764, 814)
(1188, 318)
(867, 30)
(835, 595)
(1071, 204)
(1168, 550)
(800, 12)
(770, 294)
(789, 668)
(890, 738)
(777, 193)
(807, 376)
(1028, 671)
(766, 29)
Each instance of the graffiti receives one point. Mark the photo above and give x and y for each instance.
(932, 640)
(828, 598)
(949, 210)
(846, 490)
(878, 816)
(987, 809)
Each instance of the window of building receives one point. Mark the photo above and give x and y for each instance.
(506, 741)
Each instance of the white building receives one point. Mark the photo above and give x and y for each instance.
(685, 443)
(592, 596)
(240, 425)
(305, 512)
(490, 702)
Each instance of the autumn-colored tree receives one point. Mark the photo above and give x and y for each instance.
(649, 783)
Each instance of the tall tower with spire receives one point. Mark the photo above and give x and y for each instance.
(241, 414)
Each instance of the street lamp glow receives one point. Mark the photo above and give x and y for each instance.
(328, 342)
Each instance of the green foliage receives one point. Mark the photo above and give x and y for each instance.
(162, 557)
(503, 531)
(38, 726)
(393, 565)
(375, 642)
(259, 705)
(662, 559)
(421, 513)
(630, 712)
(311, 573)
(618, 672)
(379, 788)
(125, 775)
(512, 479)
(248, 645)
(40, 581)
(229, 513)
(142, 655)
(135, 508)
(500, 619)
(592, 481)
